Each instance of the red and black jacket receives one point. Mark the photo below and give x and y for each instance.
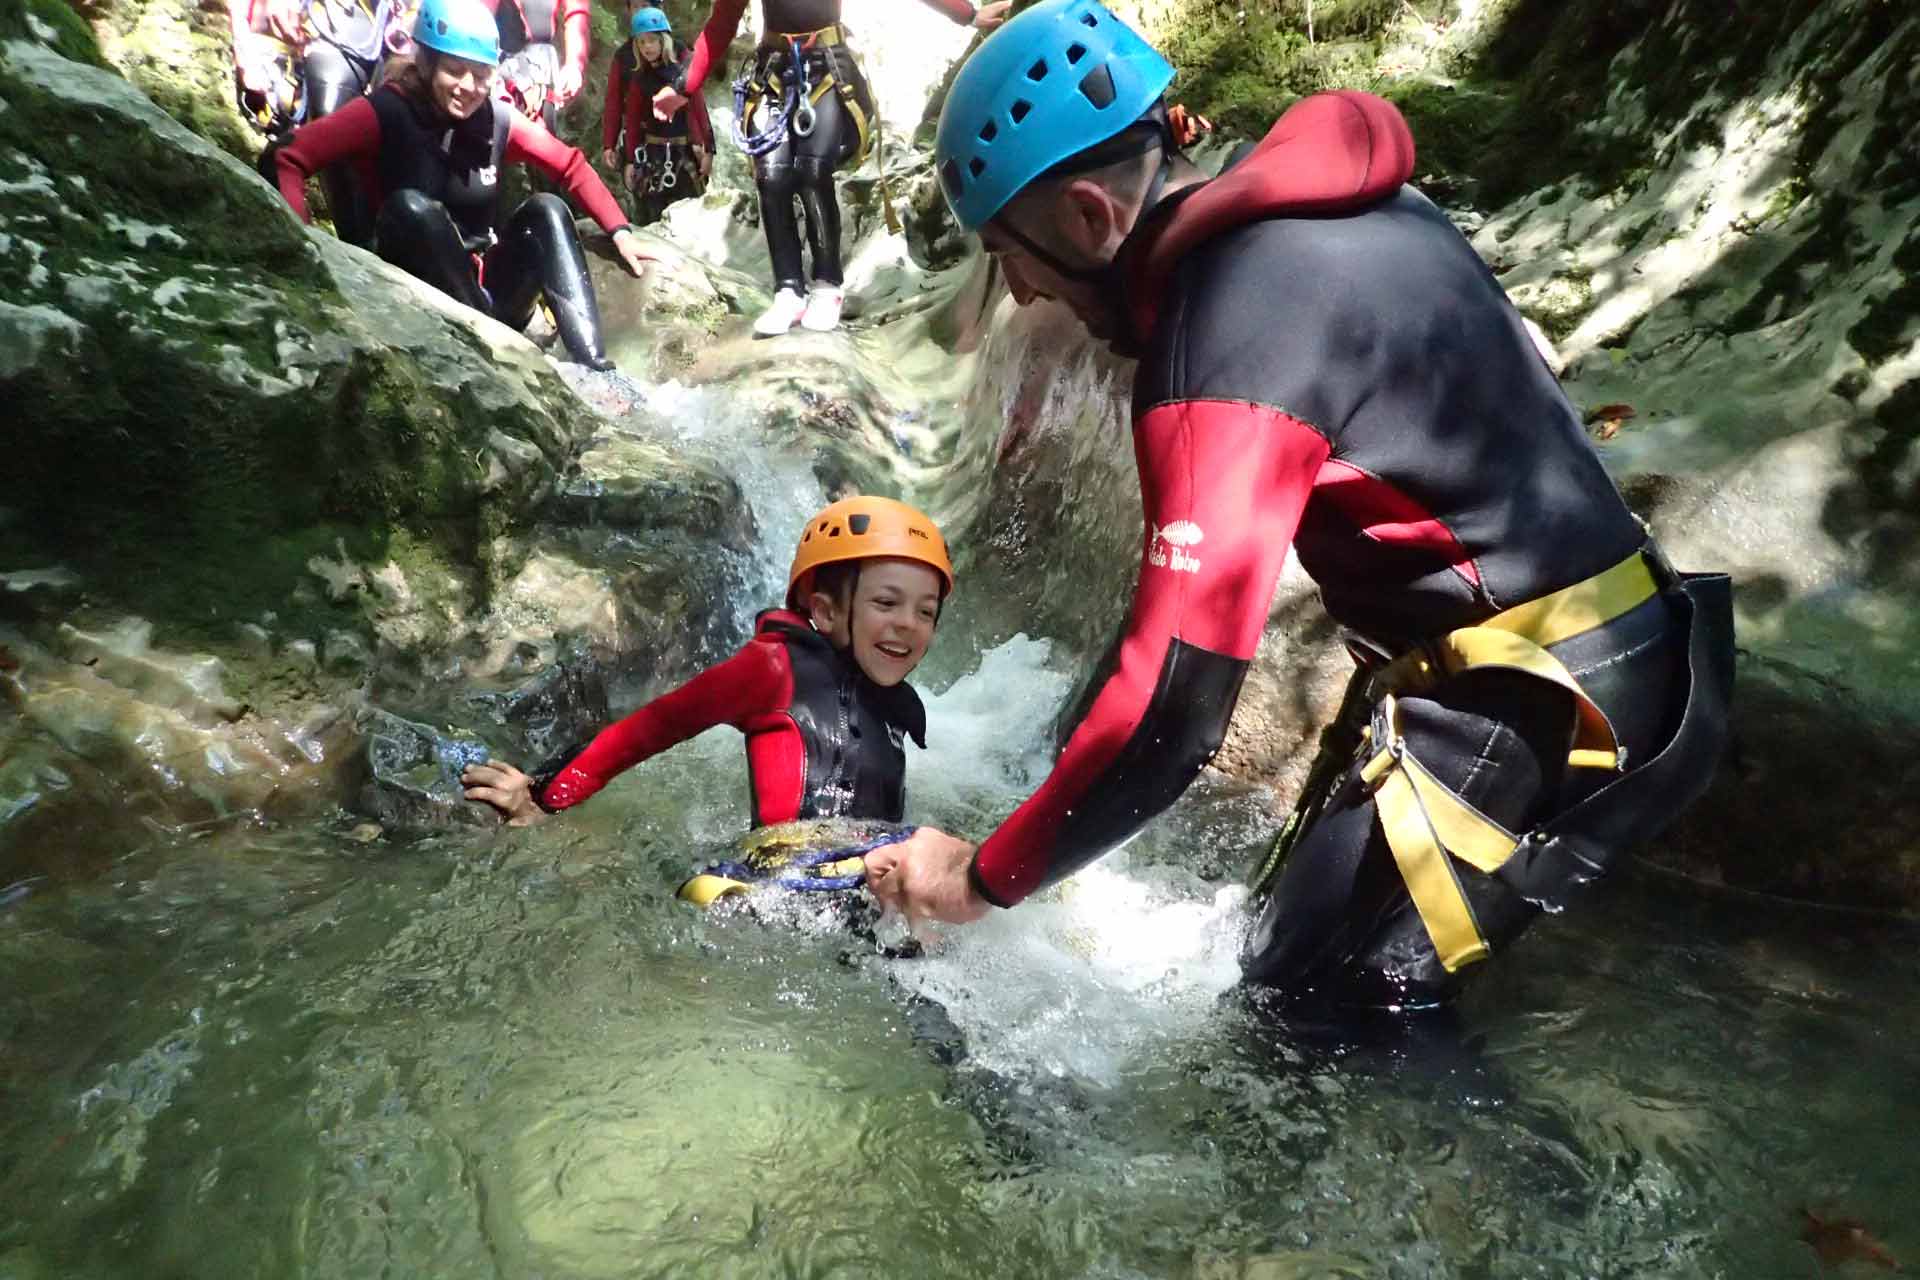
(823, 740)
(631, 84)
(393, 140)
(1330, 367)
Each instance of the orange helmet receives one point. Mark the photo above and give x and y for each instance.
(861, 527)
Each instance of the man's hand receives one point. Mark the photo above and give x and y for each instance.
(627, 245)
(609, 159)
(667, 103)
(924, 877)
(705, 160)
(505, 788)
(989, 16)
(566, 86)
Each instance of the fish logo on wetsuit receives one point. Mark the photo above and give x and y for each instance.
(1179, 535)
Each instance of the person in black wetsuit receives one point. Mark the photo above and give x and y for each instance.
(428, 146)
(819, 691)
(799, 140)
(537, 77)
(1325, 364)
(662, 161)
(301, 60)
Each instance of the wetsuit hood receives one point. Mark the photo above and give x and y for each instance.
(1330, 153)
(897, 704)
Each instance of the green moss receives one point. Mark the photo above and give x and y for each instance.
(72, 37)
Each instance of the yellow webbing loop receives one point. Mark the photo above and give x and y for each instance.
(807, 39)
(1425, 821)
(1581, 607)
(704, 890)
(1423, 864)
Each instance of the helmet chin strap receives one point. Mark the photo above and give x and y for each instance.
(1107, 275)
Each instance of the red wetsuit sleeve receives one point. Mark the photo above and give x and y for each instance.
(614, 111)
(351, 134)
(576, 20)
(1224, 485)
(711, 43)
(528, 143)
(741, 691)
(959, 10)
(699, 123)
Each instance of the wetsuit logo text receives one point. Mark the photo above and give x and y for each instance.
(1168, 550)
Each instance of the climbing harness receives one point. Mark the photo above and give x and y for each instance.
(822, 871)
(1426, 824)
(800, 96)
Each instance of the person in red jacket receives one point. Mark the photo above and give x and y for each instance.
(428, 146)
(660, 161)
(802, 111)
(1325, 365)
(819, 691)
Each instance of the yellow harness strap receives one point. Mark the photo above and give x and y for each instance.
(1423, 820)
(704, 890)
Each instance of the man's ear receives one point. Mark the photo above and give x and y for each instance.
(1087, 216)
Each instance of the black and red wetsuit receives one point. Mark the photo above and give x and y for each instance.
(823, 740)
(530, 33)
(661, 153)
(391, 141)
(631, 84)
(1327, 366)
(799, 166)
(433, 185)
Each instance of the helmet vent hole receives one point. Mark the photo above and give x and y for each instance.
(989, 131)
(1098, 87)
(1075, 52)
(1019, 110)
(1089, 20)
(1038, 71)
(976, 166)
(857, 525)
(834, 532)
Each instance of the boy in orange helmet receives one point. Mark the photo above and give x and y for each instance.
(819, 691)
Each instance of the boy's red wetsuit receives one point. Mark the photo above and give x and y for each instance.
(823, 740)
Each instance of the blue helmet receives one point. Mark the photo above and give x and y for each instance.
(1059, 78)
(645, 20)
(459, 29)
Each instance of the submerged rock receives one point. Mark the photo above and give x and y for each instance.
(413, 782)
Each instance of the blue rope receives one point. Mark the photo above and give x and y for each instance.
(818, 858)
(758, 144)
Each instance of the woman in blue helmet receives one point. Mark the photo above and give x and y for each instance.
(662, 161)
(428, 146)
(802, 111)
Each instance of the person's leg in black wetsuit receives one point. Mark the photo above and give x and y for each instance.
(416, 233)
(539, 252)
(333, 79)
(775, 178)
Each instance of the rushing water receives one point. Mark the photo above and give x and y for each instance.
(279, 1051)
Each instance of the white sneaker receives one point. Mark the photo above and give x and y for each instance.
(823, 307)
(780, 317)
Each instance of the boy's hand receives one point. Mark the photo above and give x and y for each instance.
(505, 788)
(924, 877)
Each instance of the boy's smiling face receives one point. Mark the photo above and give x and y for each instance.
(889, 622)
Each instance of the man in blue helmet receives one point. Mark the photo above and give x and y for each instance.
(1326, 365)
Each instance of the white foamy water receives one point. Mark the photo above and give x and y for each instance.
(1083, 978)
